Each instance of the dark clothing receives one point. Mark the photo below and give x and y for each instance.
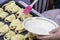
(57, 4)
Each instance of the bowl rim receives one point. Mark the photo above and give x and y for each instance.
(43, 18)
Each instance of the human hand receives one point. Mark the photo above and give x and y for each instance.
(54, 35)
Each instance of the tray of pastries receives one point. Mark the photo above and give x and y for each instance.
(11, 18)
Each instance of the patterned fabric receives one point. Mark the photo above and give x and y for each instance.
(41, 5)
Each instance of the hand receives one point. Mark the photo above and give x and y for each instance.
(54, 35)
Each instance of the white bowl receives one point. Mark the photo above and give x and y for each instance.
(39, 25)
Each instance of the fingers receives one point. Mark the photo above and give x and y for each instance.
(54, 30)
(54, 34)
(49, 37)
(41, 38)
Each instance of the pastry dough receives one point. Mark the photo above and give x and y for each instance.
(14, 17)
(9, 35)
(4, 29)
(3, 14)
(19, 28)
(10, 18)
(1, 9)
(30, 36)
(11, 7)
(17, 37)
(27, 38)
(21, 15)
(14, 24)
(1, 24)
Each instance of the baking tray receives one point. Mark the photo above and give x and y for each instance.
(23, 5)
